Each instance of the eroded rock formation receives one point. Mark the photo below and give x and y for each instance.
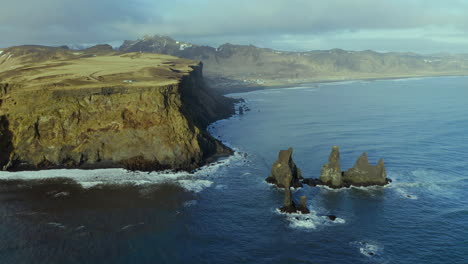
(303, 205)
(365, 174)
(331, 172)
(290, 206)
(284, 172)
(362, 174)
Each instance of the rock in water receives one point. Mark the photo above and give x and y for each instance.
(241, 110)
(289, 206)
(365, 174)
(332, 217)
(362, 174)
(284, 172)
(331, 172)
(303, 206)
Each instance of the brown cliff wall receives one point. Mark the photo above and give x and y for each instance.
(142, 128)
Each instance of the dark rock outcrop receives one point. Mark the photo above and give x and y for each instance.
(332, 217)
(331, 172)
(6, 147)
(289, 205)
(302, 207)
(365, 174)
(284, 172)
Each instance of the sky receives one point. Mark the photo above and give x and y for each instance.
(422, 26)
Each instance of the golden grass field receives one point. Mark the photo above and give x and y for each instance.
(81, 70)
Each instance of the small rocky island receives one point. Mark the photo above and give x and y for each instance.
(362, 174)
(285, 174)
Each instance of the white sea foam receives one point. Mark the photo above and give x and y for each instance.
(131, 226)
(195, 185)
(309, 221)
(258, 100)
(405, 194)
(339, 82)
(406, 183)
(61, 194)
(364, 188)
(410, 79)
(269, 91)
(221, 187)
(91, 178)
(368, 248)
(54, 224)
(126, 227)
(309, 88)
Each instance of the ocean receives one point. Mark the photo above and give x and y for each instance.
(226, 212)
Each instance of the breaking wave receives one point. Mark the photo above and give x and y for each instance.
(194, 182)
(371, 249)
(309, 221)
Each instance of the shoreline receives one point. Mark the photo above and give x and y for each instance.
(246, 89)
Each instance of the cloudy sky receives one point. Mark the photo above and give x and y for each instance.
(424, 26)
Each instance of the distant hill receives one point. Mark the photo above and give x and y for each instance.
(17, 56)
(231, 67)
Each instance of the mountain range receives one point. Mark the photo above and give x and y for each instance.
(236, 67)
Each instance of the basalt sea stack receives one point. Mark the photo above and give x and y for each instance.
(98, 109)
(362, 174)
(291, 207)
(284, 172)
(365, 174)
(331, 172)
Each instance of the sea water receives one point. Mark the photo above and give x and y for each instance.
(227, 213)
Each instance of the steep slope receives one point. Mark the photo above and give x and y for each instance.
(80, 109)
(234, 66)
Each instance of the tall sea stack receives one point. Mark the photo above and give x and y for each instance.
(365, 174)
(362, 174)
(331, 172)
(284, 172)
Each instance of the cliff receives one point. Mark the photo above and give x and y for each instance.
(234, 67)
(100, 109)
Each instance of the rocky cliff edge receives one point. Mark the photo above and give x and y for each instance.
(78, 110)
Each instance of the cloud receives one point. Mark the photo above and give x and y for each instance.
(62, 21)
(272, 23)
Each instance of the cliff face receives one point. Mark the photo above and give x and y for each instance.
(138, 111)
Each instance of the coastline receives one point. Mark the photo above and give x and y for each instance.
(153, 122)
(246, 89)
(89, 177)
